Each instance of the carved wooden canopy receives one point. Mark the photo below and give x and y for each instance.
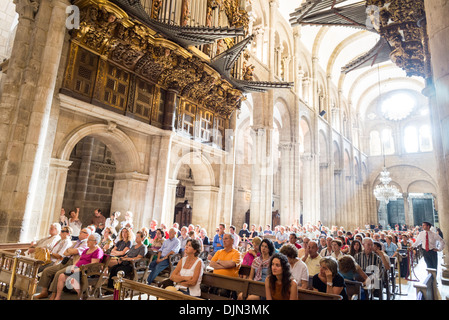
(108, 31)
(400, 23)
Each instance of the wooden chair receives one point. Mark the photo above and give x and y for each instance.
(163, 278)
(92, 276)
(244, 271)
(140, 270)
(393, 287)
(354, 289)
(203, 256)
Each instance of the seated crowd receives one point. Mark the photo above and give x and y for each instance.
(310, 257)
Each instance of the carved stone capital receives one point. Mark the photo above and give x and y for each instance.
(285, 146)
(27, 9)
(308, 156)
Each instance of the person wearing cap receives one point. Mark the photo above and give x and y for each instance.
(431, 243)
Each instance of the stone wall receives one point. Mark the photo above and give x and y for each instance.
(8, 21)
(100, 183)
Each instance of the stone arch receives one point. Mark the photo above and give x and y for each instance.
(318, 39)
(306, 138)
(201, 168)
(341, 46)
(122, 147)
(130, 183)
(205, 191)
(284, 119)
(421, 186)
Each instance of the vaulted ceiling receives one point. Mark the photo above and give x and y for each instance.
(336, 46)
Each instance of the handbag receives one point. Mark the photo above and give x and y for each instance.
(42, 254)
(65, 260)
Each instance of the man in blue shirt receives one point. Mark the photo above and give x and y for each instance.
(169, 247)
(217, 244)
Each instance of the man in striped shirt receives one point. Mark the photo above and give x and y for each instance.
(369, 260)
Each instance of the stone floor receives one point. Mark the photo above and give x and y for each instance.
(408, 291)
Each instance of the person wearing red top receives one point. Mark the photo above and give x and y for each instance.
(293, 238)
(71, 277)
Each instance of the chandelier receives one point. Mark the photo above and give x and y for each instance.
(385, 192)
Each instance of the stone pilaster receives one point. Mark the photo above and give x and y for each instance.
(27, 113)
(438, 32)
(261, 176)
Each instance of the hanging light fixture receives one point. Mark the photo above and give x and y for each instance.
(384, 191)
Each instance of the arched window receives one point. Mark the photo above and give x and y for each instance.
(375, 144)
(425, 139)
(411, 139)
(387, 141)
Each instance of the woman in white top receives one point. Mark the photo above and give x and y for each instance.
(112, 222)
(189, 271)
(336, 249)
(75, 223)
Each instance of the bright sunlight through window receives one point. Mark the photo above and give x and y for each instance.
(398, 106)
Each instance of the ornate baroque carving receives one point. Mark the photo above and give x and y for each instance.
(399, 25)
(132, 45)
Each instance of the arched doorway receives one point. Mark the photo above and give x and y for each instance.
(196, 172)
(90, 179)
(128, 183)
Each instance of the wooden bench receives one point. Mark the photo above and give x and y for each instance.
(137, 288)
(427, 290)
(18, 276)
(250, 287)
(12, 247)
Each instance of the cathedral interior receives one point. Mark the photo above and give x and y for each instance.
(265, 112)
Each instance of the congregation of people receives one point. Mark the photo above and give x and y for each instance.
(285, 258)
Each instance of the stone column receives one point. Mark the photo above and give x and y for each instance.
(26, 132)
(54, 194)
(129, 195)
(274, 7)
(287, 176)
(438, 32)
(308, 194)
(84, 171)
(339, 197)
(167, 215)
(158, 205)
(227, 164)
(205, 211)
(261, 176)
(306, 90)
(383, 213)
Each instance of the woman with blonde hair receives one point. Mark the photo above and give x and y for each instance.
(328, 280)
(107, 241)
(253, 252)
(122, 246)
